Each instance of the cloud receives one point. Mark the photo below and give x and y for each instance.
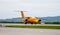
(35, 7)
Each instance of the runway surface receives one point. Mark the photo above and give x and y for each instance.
(26, 31)
(12, 24)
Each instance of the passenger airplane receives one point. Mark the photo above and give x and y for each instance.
(30, 19)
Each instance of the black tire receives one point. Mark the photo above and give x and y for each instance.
(25, 22)
(31, 23)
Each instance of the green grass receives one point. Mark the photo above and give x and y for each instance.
(41, 27)
(52, 22)
(11, 22)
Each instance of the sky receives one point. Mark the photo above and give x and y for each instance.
(38, 8)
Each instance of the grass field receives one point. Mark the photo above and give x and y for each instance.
(41, 27)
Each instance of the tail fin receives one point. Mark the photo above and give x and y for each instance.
(23, 16)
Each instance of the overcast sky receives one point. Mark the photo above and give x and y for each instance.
(39, 8)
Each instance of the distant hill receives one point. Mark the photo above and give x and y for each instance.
(51, 19)
(44, 19)
(12, 20)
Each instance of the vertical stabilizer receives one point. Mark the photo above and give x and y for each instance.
(23, 16)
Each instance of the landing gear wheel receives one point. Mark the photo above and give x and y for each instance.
(25, 22)
(31, 23)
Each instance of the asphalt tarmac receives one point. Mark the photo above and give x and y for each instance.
(28, 31)
(12, 24)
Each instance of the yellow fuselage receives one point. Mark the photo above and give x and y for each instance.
(33, 19)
